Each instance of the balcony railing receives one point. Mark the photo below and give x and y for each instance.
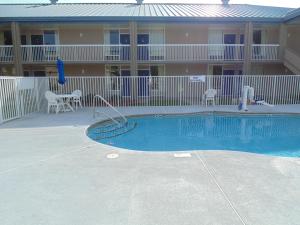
(265, 52)
(145, 53)
(75, 53)
(190, 52)
(6, 53)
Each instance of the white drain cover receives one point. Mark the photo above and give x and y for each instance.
(112, 156)
(182, 155)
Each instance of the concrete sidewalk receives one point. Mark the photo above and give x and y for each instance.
(52, 173)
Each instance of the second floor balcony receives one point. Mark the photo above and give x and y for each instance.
(265, 52)
(75, 53)
(163, 53)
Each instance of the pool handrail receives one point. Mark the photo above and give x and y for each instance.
(110, 106)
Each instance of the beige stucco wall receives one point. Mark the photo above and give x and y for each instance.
(293, 38)
(81, 35)
(269, 69)
(185, 69)
(85, 70)
(272, 35)
(186, 34)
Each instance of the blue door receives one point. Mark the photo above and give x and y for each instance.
(228, 82)
(257, 39)
(143, 88)
(242, 41)
(125, 74)
(114, 40)
(229, 53)
(125, 40)
(143, 51)
(38, 53)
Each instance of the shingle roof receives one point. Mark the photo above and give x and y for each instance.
(143, 12)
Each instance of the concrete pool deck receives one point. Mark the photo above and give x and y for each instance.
(51, 173)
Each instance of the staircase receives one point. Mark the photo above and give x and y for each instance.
(292, 61)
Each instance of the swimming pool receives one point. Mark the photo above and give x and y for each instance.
(277, 135)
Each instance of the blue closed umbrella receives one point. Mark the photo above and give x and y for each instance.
(61, 71)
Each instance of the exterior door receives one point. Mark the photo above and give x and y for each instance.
(39, 73)
(37, 52)
(8, 41)
(257, 39)
(229, 39)
(125, 40)
(7, 38)
(126, 87)
(241, 50)
(24, 42)
(143, 51)
(143, 83)
(49, 39)
(228, 82)
(114, 39)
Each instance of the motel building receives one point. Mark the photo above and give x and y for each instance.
(137, 54)
(142, 39)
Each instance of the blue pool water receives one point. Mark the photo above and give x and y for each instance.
(265, 134)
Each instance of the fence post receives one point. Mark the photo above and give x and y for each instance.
(274, 90)
(18, 104)
(83, 92)
(180, 91)
(1, 98)
(36, 88)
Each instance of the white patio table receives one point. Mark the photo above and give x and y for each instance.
(66, 98)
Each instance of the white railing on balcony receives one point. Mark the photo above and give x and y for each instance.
(75, 53)
(265, 52)
(6, 53)
(190, 52)
(21, 96)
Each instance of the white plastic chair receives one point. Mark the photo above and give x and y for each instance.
(209, 96)
(76, 100)
(53, 101)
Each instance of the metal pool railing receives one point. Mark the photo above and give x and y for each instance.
(20, 96)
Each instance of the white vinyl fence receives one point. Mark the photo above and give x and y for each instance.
(23, 95)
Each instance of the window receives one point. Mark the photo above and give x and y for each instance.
(49, 37)
(115, 38)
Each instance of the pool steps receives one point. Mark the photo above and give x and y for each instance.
(115, 130)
